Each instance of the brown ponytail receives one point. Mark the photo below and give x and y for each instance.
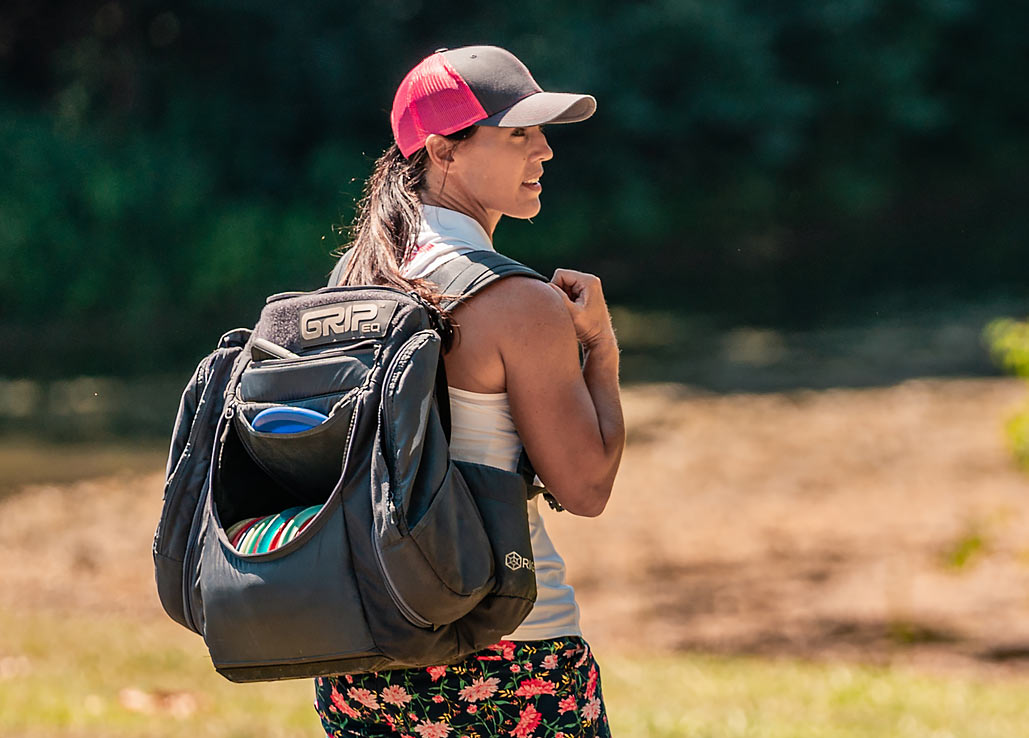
(388, 220)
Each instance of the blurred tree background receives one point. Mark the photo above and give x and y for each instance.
(777, 164)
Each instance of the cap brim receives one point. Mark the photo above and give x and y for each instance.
(544, 107)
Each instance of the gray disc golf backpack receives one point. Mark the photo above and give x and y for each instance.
(412, 558)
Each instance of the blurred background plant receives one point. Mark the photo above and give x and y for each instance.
(1008, 340)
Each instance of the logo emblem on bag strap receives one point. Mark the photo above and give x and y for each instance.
(515, 561)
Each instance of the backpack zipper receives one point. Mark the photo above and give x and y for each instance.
(364, 347)
(198, 514)
(386, 417)
(387, 381)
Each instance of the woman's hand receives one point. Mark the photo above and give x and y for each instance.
(583, 297)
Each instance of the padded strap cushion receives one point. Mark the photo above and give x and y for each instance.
(465, 275)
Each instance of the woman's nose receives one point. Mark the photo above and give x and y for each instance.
(543, 150)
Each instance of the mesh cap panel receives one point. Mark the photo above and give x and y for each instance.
(432, 98)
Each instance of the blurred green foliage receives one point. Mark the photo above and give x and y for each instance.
(1008, 340)
(166, 165)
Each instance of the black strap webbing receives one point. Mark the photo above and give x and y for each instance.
(465, 275)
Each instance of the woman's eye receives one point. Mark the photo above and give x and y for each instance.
(517, 131)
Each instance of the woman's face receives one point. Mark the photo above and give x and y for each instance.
(498, 170)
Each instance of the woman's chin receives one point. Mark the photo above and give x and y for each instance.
(529, 210)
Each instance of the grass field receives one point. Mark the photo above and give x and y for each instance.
(76, 676)
(840, 564)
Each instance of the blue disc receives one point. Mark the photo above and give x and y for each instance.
(287, 419)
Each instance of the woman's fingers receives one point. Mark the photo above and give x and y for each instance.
(584, 299)
(564, 295)
(574, 284)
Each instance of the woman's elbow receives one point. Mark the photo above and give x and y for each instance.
(588, 502)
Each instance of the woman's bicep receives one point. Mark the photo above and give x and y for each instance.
(550, 403)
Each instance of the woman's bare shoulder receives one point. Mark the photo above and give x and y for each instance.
(514, 320)
(515, 304)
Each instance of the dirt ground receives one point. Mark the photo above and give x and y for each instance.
(880, 525)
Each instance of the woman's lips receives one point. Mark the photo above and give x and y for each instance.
(533, 184)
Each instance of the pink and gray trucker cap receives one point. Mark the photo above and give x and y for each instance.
(476, 85)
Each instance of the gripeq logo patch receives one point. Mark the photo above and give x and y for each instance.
(346, 321)
(515, 561)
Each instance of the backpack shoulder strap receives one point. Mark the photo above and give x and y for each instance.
(467, 274)
(337, 271)
(463, 275)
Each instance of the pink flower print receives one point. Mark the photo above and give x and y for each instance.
(436, 672)
(591, 682)
(412, 716)
(480, 689)
(472, 709)
(559, 734)
(591, 710)
(506, 648)
(342, 706)
(364, 696)
(533, 687)
(488, 658)
(527, 722)
(583, 656)
(437, 698)
(394, 694)
(432, 730)
(336, 697)
(515, 668)
(566, 705)
(550, 662)
(350, 679)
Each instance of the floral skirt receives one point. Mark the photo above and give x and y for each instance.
(544, 689)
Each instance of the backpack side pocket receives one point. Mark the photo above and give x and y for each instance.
(501, 498)
(428, 533)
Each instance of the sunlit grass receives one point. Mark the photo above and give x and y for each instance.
(752, 698)
(82, 676)
(97, 676)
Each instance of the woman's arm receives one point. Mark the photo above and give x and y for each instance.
(583, 298)
(568, 416)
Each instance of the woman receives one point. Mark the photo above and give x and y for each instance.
(469, 150)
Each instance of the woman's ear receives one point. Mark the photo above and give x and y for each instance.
(440, 150)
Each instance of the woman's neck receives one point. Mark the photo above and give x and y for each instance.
(488, 219)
